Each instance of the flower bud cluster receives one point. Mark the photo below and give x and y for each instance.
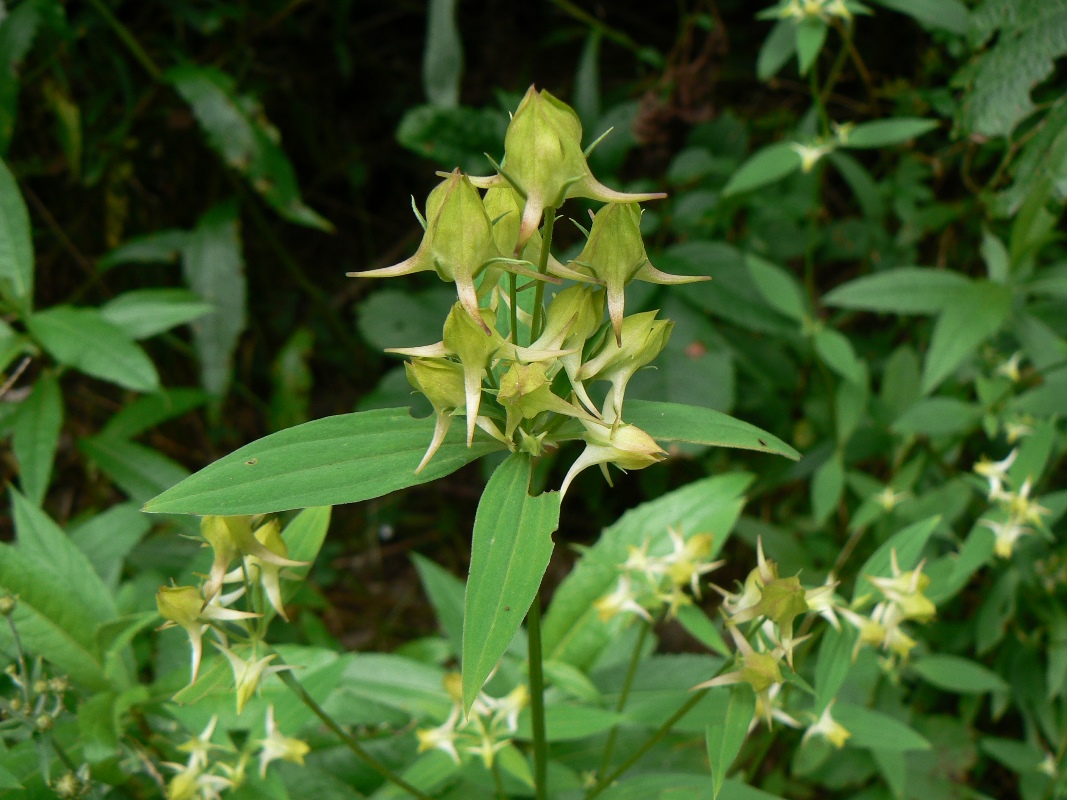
(523, 378)
(649, 583)
(39, 698)
(263, 557)
(1015, 512)
(489, 727)
(903, 601)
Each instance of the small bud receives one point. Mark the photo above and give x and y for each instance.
(644, 338)
(44, 722)
(248, 674)
(185, 607)
(525, 392)
(40, 687)
(8, 604)
(58, 685)
(615, 254)
(625, 446)
(442, 383)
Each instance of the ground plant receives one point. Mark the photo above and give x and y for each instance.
(714, 408)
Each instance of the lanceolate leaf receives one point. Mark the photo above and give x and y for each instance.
(671, 422)
(764, 167)
(724, 739)
(509, 555)
(958, 675)
(37, 428)
(886, 132)
(976, 313)
(146, 312)
(341, 459)
(16, 246)
(905, 290)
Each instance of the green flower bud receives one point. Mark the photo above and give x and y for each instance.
(186, 608)
(457, 245)
(8, 604)
(546, 162)
(615, 254)
(761, 671)
(44, 722)
(645, 337)
(525, 392)
(625, 446)
(441, 382)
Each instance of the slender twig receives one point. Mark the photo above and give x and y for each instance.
(15, 375)
(537, 700)
(604, 782)
(350, 741)
(542, 267)
(24, 672)
(624, 694)
(128, 39)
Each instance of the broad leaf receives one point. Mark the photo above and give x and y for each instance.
(904, 290)
(37, 427)
(341, 459)
(446, 593)
(108, 537)
(764, 167)
(509, 555)
(671, 422)
(724, 740)
(975, 313)
(146, 312)
(16, 245)
(886, 132)
(81, 338)
(238, 130)
(958, 675)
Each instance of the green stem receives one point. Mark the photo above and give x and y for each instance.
(606, 781)
(498, 780)
(542, 267)
(537, 700)
(24, 672)
(513, 297)
(128, 39)
(816, 97)
(624, 694)
(349, 740)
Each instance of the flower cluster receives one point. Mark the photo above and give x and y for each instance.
(903, 601)
(213, 768)
(647, 583)
(518, 371)
(1015, 512)
(488, 728)
(824, 10)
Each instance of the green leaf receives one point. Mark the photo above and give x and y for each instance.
(976, 552)
(151, 410)
(776, 50)
(18, 29)
(8, 780)
(145, 312)
(810, 35)
(874, 729)
(764, 167)
(938, 416)
(778, 287)
(836, 351)
(16, 244)
(724, 740)
(304, 536)
(36, 436)
(908, 545)
(832, 665)
(442, 59)
(958, 675)
(573, 681)
(886, 132)
(96, 724)
(237, 128)
(996, 258)
(697, 624)
(904, 290)
(160, 247)
(81, 338)
(510, 551)
(827, 487)
(108, 537)
(395, 318)
(140, 471)
(454, 137)
(446, 593)
(567, 723)
(214, 269)
(975, 313)
(341, 459)
(671, 422)
(1030, 36)
(948, 15)
(409, 686)
(587, 81)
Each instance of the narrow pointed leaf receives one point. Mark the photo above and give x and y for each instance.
(764, 167)
(975, 314)
(16, 245)
(724, 740)
(509, 555)
(672, 422)
(341, 459)
(37, 428)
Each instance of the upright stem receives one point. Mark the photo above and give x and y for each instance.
(624, 694)
(537, 699)
(513, 298)
(542, 267)
(349, 740)
(606, 781)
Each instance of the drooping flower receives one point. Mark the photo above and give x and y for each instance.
(826, 727)
(277, 746)
(185, 607)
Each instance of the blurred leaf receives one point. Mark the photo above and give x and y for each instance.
(697, 624)
(904, 290)
(442, 60)
(948, 15)
(938, 416)
(237, 128)
(975, 313)
(160, 247)
(340, 459)
(97, 726)
(567, 723)
(776, 49)
(454, 137)
(724, 740)
(214, 268)
(446, 592)
(832, 665)
(292, 381)
(835, 350)
(996, 611)
(510, 551)
(874, 729)
(827, 486)
(958, 675)
(764, 167)
(810, 35)
(18, 29)
(587, 81)
(151, 410)
(573, 681)
(139, 471)
(779, 288)
(145, 312)
(16, 244)
(36, 437)
(81, 338)
(907, 544)
(395, 318)
(886, 132)
(409, 686)
(108, 537)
